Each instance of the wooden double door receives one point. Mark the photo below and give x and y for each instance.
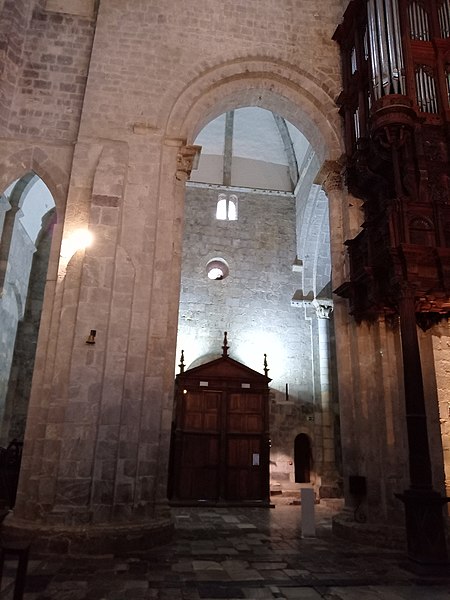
(221, 448)
(220, 442)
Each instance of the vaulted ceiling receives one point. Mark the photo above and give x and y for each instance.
(253, 148)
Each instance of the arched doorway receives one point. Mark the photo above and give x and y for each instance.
(302, 458)
(27, 216)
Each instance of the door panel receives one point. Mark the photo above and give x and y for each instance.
(244, 480)
(199, 467)
(245, 413)
(201, 411)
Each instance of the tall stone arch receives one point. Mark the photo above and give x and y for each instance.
(285, 89)
(308, 105)
(26, 166)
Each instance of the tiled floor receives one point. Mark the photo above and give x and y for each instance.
(236, 553)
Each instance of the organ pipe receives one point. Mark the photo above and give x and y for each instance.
(376, 80)
(385, 47)
(448, 86)
(444, 18)
(398, 47)
(419, 24)
(426, 91)
(382, 45)
(391, 48)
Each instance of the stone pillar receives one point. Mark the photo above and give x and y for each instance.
(329, 475)
(330, 179)
(96, 448)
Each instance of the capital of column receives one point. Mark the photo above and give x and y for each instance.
(323, 308)
(330, 176)
(187, 159)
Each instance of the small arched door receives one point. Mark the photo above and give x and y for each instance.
(302, 458)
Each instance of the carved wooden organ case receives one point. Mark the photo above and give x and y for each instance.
(395, 106)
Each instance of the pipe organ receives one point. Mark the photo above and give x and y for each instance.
(396, 108)
(396, 112)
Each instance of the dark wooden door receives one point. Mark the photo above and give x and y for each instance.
(243, 473)
(244, 461)
(220, 443)
(198, 447)
(200, 466)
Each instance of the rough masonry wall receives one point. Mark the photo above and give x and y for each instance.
(159, 49)
(253, 304)
(13, 29)
(53, 72)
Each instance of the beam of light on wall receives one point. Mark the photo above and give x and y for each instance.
(255, 343)
(194, 348)
(77, 240)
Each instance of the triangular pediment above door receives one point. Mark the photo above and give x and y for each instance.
(224, 368)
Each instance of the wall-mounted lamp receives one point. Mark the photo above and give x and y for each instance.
(91, 337)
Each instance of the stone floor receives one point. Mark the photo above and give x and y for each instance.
(236, 553)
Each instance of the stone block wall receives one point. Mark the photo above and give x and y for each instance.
(253, 304)
(13, 31)
(51, 83)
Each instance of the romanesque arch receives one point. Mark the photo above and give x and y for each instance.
(287, 90)
(308, 105)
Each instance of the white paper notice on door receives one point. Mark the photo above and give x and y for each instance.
(255, 461)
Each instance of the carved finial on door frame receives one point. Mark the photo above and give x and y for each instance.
(181, 365)
(225, 345)
(266, 369)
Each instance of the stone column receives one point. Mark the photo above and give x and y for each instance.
(329, 475)
(330, 179)
(96, 448)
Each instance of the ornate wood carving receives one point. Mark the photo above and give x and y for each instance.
(398, 163)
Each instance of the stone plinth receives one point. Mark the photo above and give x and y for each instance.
(108, 538)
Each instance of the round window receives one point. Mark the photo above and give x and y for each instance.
(217, 269)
